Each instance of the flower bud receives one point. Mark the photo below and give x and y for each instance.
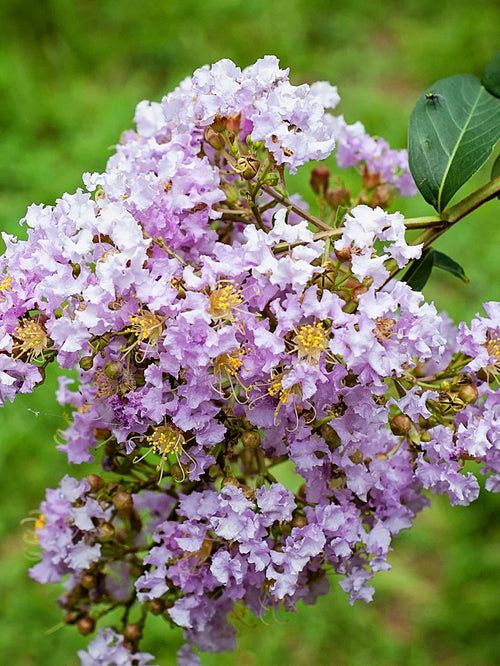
(233, 123)
(344, 254)
(247, 166)
(468, 393)
(427, 423)
(156, 606)
(338, 196)
(113, 369)
(88, 581)
(250, 438)
(123, 502)
(105, 532)
(132, 631)
(248, 492)
(319, 179)
(214, 138)
(299, 521)
(272, 179)
(95, 482)
(400, 424)
(370, 179)
(356, 457)
(86, 363)
(86, 625)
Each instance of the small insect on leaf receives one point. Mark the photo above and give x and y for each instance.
(433, 99)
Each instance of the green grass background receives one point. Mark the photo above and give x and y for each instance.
(71, 73)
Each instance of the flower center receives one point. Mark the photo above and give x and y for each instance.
(310, 342)
(223, 302)
(384, 328)
(493, 345)
(166, 439)
(32, 337)
(146, 326)
(228, 364)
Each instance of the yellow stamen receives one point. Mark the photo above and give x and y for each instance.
(146, 326)
(311, 342)
(5, 284)
(32, 337)
(103, 386)
(166, 439)
(492, 345)
(40, 523)
(228, 364)
(223, 302)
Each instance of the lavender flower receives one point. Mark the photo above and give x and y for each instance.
(217, 339)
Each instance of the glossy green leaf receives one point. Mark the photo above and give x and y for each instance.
(453, 129)
(419, 272)
(491, 75)
(448, 264)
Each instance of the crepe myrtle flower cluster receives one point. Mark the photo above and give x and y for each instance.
(223, 337)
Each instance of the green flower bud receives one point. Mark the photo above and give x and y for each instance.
(400, 424)
(356, 457)
(272, 179)
(250, 438)
(113, 369)
(86, 363)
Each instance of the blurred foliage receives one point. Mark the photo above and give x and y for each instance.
(71, 73)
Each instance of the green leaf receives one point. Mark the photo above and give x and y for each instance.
(419, 272)
(495, 171)
(448, 264)
(453, 129)
(491, 75)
